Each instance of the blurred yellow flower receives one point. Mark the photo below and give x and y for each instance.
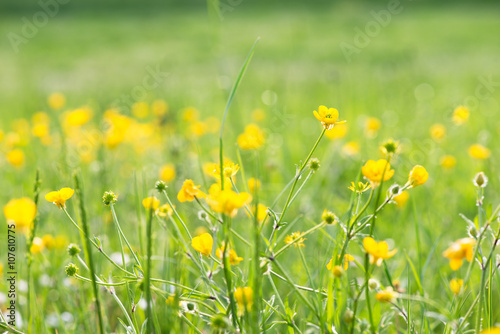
(458, 251)
(372, 126)
(190, 114)
(327, 116)
(373, 171)
(418, 176)
(261, 212)
(337, 132)
(296, 238)
(478, 151)
(37, 246)
(16, 157)
(234, 259)
(495, 330)
(351, 149)
(189, 191)
(78, 117)
(378, 251)
(56, 101)
(244, 298)
(253, 185)
(159, 107)
(165, 210)
(252, 138)
(402, 198)
(167, 172)
(203, 243)
(456, 285)
(198, 128)
(347, 259)
(460, 115)
(387, 296)
(151, 203)
(140, 109)
(258, 115)
(22, 211)
(448, 161)
(437, 131)
(40, 130)
(227, 201)
(60, 197)
(48, 241)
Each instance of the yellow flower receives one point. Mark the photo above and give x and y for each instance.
(402, 198)
(165, 210)
(360, 187)
(458, 251)
(234, 259)
(37, 246)
(478, 151)
(388, 295)
(140, 109)
(167, 172)
(198, 128)
(229, 169)
(78, 117)
(151, 203)
(253, 185)
(460, 115)
(378, 251)
(203, 243)
(159, 107)
(227, 201)
(437, 131)
(327, 116)
(252, 138)
(389, 147)
(16, 157)
(56, 101)
(372, 125)
(347, 259)
(244, 298)
(495, 330)
(350, 149)
(258, 115)
(22, 211)
(40, 130)
(261, 212)
(373, 171)
(60, 197)
(190, 114)
(456, 285)
(48, 241)
(418, 176)
(448, 161)
(337, 132)
(189, 192)
(296, 238)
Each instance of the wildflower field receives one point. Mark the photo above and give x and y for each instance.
(249, 167)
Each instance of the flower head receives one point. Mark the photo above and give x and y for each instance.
(167, 172)
(227, 201)
(244, 298)
(165, 210)
(437, 131)
(448, 161)
(22, 211)
(347, 259)
(234, 259)
(253, 185)
(252, 138)
(460, 250)
(296, 239)
(418, 176)
(60, 197)
(390, 147)
(189, 192)
(151, 203)
(327, 116)
(480, 180)
(203, 243)
(374, 171)
(329, 217)
(56, 101)
(378, 251)
(360, 187)
(460, 115)
(387, 296)
(456, 285)
(109, 198)
(402, 198)
(478, 151)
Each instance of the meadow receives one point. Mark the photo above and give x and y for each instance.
(184, 170)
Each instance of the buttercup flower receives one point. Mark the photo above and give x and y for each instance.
(373, 171)
(460, 250)
(252, 138)
(234, 259)
(60, 197)
(244, 298)
(372, 125)
(437, 131)
(167, 172)
(390, 147)
(203, 243)
(56, 101)
(329, 217)
(327, 116)
(402, 198)
(456, 285)
(478, 151)
(189, 191)
(360, 187)
(226, 201)
(378, 251)
(296, 238)
(418, 176)
(387, 296)
(22, 211)
(253, 185)
(460, 115)
(16, 157)
(448, 161)
(165, 210)
(347, 259)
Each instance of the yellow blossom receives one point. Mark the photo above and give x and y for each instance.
(456, 285)
(372, 126)
(388, 295)
(347, 259)
(198, 128)
(458, 251)
(418, 176)
(167, 172)
(373, 171)
(22, 211)
(495, 330)
(56, 101)
(448, 161)
(337, 132)
(478, 151)
(378, 251)
(190, 114)
(16, 157)
(189, 192)
(360, 187)
(351, 149)
(60, 197)
(37, 246)
(437, 131)
(402, 198)
(253, 185)
(261, 212)
(48, 241)
(296, 239)
(234, 259)
(151, 203)
(203, 243)
(244, 298)
(159, 107)
(258, 115)
(252, 138)
(140, 109)
(165, 210)
(329, 117)
(227, 201)
(78, 117)
(460, 115)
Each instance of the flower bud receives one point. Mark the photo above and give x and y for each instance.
(109, 198)
(71, 270)
(338, 272)
(314, 164)
(373, 284)
(329, 217)
(220, 322)
(348, 316)
(73, 250)
(161, 186)
(480, 180)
